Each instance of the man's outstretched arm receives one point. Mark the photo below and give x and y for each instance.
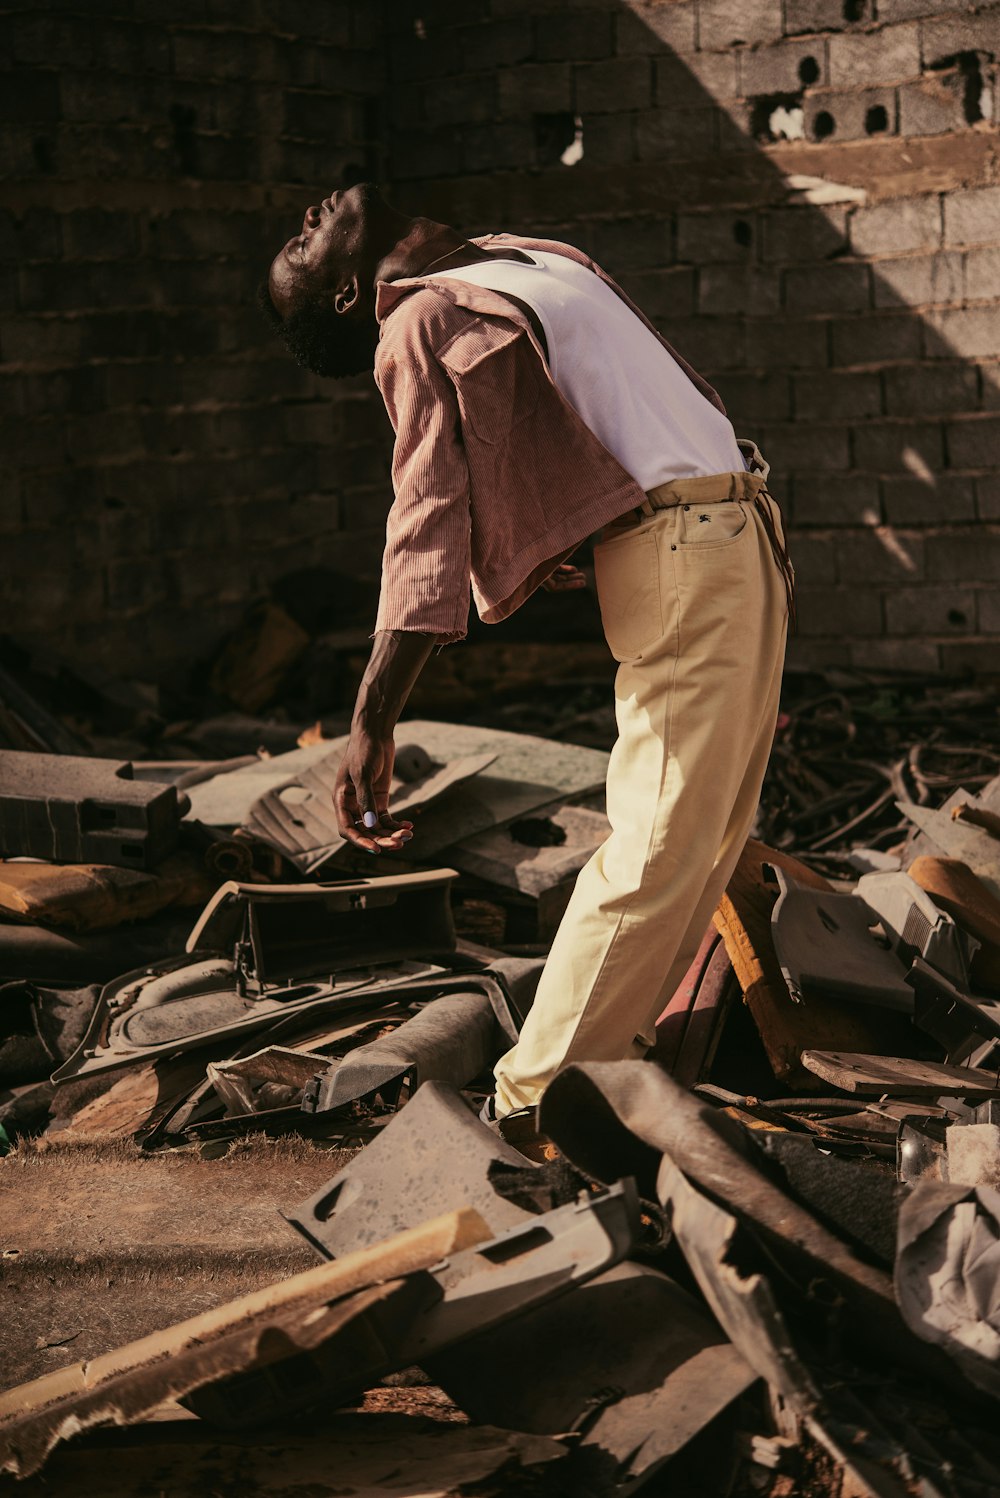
(361, 797)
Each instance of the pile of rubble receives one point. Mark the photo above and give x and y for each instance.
(254, 1218)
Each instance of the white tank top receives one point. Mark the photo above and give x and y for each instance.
(613, 371)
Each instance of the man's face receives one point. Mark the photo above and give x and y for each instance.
(328, 257)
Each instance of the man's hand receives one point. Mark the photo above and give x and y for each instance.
(361, 795)
(565, 579)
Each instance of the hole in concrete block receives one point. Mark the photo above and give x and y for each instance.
(968, 80)
(956, 617)
(574, 151)
(854, 10)
(44, 153)
(554, 134)
(777, 117)
(824, 124)
(743, 233)
(808, 70)
(876, 119)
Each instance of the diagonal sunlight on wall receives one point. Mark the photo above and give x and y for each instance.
(841, 289)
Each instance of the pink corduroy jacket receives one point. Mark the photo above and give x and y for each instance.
(497, 479)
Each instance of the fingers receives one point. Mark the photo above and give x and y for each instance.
(361, 820)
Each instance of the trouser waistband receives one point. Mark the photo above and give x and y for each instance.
(711, 488)
(714, 488)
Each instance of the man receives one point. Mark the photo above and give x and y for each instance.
(533, 405)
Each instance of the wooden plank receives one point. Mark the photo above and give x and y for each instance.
(744, 920)
(896, 1076)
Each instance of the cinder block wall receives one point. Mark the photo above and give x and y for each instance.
(164, 460)
(840, 286)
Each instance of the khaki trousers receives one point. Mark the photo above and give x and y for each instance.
(695, 612)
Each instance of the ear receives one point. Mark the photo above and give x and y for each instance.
(345, 297)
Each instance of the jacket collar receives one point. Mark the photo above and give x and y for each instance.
(388, 294)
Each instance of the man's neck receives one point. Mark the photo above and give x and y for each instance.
(429, 246)
(423, 244)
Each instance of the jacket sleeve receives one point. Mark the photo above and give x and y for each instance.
(426, 565)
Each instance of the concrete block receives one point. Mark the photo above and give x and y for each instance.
(496, 44)
(788, 343)
(934, 388)
(988, 496)
(906, 10)
(918, 280)
(824, 499)
(783, 67)
(647, 27)
(967, 556)
(989, 375)
(460, 101)
(535, 88)
(965, 332)
(896, 655)
(969, 658)
(843, 611)
(826, 15)
(609, 139)
(814, 560)
(886, 54)
(933, 105)
(988, 613)
(707, 342)
(973, 1154)
(576, 37)
(974, 442)
(750, 289)
(755, 398)
(807, 447)
(805, 234)
(899, 447)
(661, 293)
(698, 79)
(944, 499)
(716, 237)
(725, 23)
(682, 134)
(880, 555)
(890, 228)
(633, 244)
(944, 36)
(982, 274)
(877, 338)
(817, 655)
(930, 611)
(844, 287)
(498, 146)
(836, 115)
(972, 216)
(834, 393)
(619, 83)
(426, 153)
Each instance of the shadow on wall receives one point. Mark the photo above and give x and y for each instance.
(798, 200)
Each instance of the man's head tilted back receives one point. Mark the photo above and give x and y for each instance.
(320, 295)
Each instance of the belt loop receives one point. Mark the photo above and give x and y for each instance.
(645, 508)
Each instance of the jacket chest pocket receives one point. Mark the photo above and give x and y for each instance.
(493, 369)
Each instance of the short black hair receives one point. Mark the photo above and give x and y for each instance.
(329, 343)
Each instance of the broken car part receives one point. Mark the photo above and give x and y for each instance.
(436, 1151)
(75, 810)
(629, 1361)
(279, 948)
(452, 1039)
(826, 944)
(471, 1291)
(915, 925)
